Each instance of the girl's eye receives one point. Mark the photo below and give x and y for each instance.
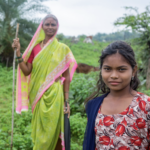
(107, 69)
(122, 69)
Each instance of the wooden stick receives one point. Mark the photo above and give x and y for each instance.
(13, 91)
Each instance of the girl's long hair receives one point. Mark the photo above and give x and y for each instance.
(127, 52)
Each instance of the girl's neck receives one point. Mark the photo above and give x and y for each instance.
(126, 92)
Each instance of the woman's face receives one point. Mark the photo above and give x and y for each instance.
(50, 27)
(117, 72)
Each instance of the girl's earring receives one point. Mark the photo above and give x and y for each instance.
(132, 78)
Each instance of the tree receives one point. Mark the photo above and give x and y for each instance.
(119, 35)
(22, 12)
(60, 36)
(140, 22)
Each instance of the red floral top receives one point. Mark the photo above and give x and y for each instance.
(128, 130)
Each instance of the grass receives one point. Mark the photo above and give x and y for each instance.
(86, 52)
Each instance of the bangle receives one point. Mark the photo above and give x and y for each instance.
(19, 61)
(19, 56)
(67, 100)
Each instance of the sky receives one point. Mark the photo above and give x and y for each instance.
(77, 17)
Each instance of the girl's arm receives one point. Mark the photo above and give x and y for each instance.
(66, 74)
(25, 67)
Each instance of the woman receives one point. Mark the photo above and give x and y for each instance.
(119, 119)
(42, 69)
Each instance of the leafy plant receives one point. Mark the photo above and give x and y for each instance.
(78, 125)
(139, 23)
(18, 11)
(82, 86)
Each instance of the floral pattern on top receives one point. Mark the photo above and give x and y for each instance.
(128, 130)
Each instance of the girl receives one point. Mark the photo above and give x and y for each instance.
(42, 69)
(119, 119)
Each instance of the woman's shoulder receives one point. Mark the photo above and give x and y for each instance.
(64, 46)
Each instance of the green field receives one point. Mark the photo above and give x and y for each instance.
(86, 52)
(81, 87)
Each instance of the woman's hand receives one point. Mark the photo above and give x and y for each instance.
(16, 46)
(67, 109)
(25, 67)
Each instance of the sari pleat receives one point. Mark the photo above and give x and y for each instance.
(48, 118)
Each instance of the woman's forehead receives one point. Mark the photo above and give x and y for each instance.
(50, 20)
(52, 17)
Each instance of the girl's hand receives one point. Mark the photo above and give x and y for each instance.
(16, 45)
(67, 109)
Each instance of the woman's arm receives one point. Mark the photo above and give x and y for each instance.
(25, 67)
(66, 74)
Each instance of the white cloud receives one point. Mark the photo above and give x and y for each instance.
(90, 16)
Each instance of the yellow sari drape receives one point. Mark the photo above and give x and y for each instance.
(43, 93)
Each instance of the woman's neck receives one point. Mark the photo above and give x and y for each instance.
(47, 38)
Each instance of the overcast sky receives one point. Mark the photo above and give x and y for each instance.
(89, 17)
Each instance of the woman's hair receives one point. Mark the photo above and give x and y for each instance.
(127, 52)
(50, 16)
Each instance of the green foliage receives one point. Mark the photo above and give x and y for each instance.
(86, 52)
(78, 125)
(60, 37)
(13, 12)
(82, 86)
(22, 123)
(22, 131)
(139, 23)
(82, 37)
(120, 35)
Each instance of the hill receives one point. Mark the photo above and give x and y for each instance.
(86, 52)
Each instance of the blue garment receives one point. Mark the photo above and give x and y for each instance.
(92, 108)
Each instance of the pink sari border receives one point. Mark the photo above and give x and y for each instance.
(19, 107)
(63, 70)
(73, 70)
(33, 38)
(24, 108)
(62, 141)
(19, 100)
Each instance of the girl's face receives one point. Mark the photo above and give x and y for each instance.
(117, 72)
(50, 27)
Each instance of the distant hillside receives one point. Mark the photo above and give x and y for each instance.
(121, 35)
(86, 52)
(89, 53)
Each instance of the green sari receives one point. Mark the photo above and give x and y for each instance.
(43, 93)
(48, 118)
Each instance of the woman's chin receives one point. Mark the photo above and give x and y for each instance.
(50, 34)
